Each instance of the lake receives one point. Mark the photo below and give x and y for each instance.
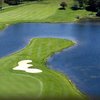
(81, 63)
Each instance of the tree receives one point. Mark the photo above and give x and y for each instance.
(13, 2)
(98, 13)
(81, 3)
(98, 4)
(63, 5)
(78, 4)
(92, 4)
(1, 3)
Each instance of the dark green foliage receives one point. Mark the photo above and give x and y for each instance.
(16, 2)
(90, 5)
(13, 2)
(98, 4)
(81, 3)
(98, 13)
(75, 7)
(1, 2)
(32, 0)
(63, 5)
(93, 5)
(78, 4)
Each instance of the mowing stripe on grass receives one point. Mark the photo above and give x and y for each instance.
(55, 84)
(39, 52)
(28, 12)
(31, 53)
(39, 81)
(20, 85)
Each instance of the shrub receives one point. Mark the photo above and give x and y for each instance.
(75, 7)
(63, 5)
(98, 13)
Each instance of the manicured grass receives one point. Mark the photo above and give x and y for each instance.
(48, 84)
(67, 15)
(46, 11)
(16, 85)
(2, 26)
(30, 12)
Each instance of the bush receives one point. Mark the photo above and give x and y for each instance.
(91, 8)
(98, 13)
(13, 2)
(63, 5)
(0, 8)
(75, 7)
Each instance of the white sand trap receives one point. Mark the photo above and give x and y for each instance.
(24, 66)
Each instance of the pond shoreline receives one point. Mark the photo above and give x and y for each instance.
(74, 32)
(84, 20)
(50, 72)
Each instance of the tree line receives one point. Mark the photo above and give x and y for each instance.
(90, 5)
(16, 2)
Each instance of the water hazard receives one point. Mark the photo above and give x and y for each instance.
(81, 62)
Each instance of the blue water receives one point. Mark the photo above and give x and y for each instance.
(81, 63)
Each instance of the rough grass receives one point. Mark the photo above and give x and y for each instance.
(48, 84)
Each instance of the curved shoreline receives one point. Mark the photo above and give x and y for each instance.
(81, 21)
(60, 75)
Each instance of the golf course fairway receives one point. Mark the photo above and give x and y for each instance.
(17, 84)
(44, 11)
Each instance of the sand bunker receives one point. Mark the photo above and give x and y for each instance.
(24, 66)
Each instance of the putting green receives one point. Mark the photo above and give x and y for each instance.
(19, 85)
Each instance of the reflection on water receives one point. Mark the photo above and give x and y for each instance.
(81, 62)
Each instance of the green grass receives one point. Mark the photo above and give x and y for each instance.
(30, 12)
(48, 84)
(46, 11)
(16, 85)
(67, 16)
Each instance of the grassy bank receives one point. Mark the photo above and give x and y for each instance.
(48, 84)
(46, 11)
